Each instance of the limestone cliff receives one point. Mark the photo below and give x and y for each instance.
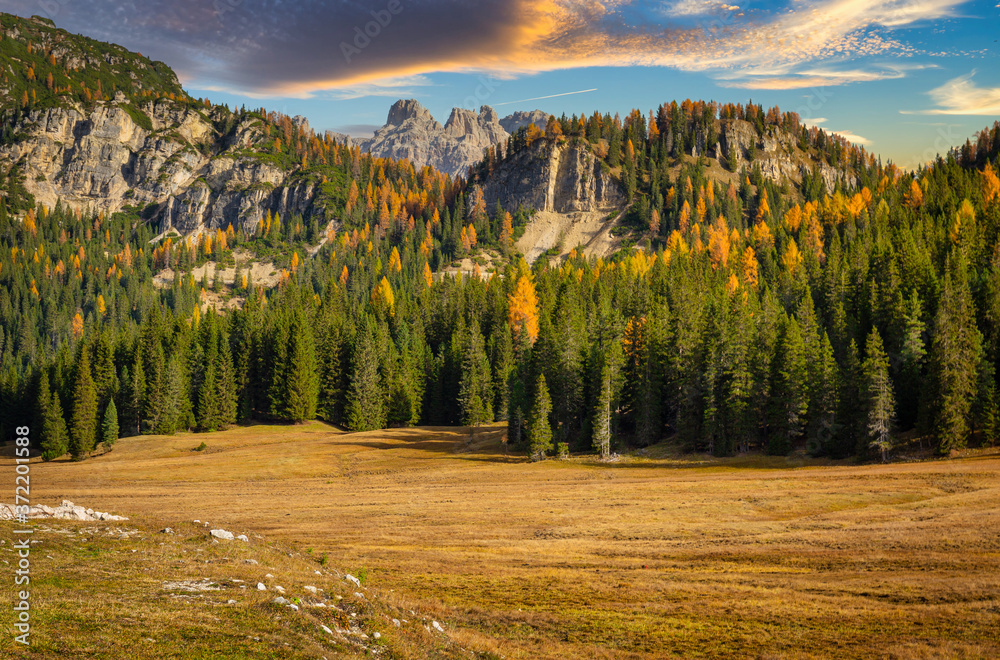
(560, 177)
(179, 167)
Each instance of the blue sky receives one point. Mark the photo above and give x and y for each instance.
(905, 78)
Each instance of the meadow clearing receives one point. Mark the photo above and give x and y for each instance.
(651, 556)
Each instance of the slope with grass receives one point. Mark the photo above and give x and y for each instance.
(645, 557)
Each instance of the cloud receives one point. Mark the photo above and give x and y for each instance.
(851, 137)
(697, 7)
(961, 96)
(814, 78)
(357, 130)
(391, 87)
(299, 48)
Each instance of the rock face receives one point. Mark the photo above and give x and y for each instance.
(776, 154)
(520, 119)
(412, 133)
(103, 159)
(561, 177)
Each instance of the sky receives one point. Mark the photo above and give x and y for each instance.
(907, 79)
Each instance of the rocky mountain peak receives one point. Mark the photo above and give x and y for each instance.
(402, 110)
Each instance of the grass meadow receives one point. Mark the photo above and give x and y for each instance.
(661, 555)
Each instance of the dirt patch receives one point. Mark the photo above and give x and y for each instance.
(590, 230)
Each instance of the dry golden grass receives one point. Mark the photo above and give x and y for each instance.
(646, 557)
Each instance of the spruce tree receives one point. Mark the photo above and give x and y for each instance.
(134, 397)
(955, 355)
(602, 414)
(475, 390)
(880, 401)
(517, 387)
(83, 425)
(824, 400)
(54, 437)
(109, 429)
(301, 382)
(539, 430)
(791, 391)
(366, 404)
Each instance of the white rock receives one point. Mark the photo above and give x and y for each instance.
(222, 534)
(325, 629)
(359, 594)
(351, 578)
(437, 626)
(198, 521)
(280, 590)
(243, 537)
(396, 623)
(294, 606)
(269, 576)
(261, 587)
(230, 602)
(281, 600)
(310, 588)
(377, 635)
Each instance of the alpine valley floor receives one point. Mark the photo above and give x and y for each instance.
(657, 555)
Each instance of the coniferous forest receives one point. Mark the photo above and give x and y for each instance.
(753, 317)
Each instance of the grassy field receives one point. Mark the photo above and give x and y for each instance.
(654, 556)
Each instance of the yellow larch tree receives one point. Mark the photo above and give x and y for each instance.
(523, 314)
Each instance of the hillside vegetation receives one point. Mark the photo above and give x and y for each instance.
(840, 308)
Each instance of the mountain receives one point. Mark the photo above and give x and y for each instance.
(411, 132)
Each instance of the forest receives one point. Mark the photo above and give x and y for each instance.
(752, 317)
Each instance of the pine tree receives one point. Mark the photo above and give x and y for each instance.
(517, 388)
(912, 363)
(791, 391)
(502, 359)
(880, 401)
(54, 437)
(955, 356)
(330, 404)
(853, 435)
(301, 382)
(134, 393)
(475, 390)
(109, 430)
(83, 427)
(366, 404)
(986, 409)
(539, 430)
(602, 414)
(824, 400)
